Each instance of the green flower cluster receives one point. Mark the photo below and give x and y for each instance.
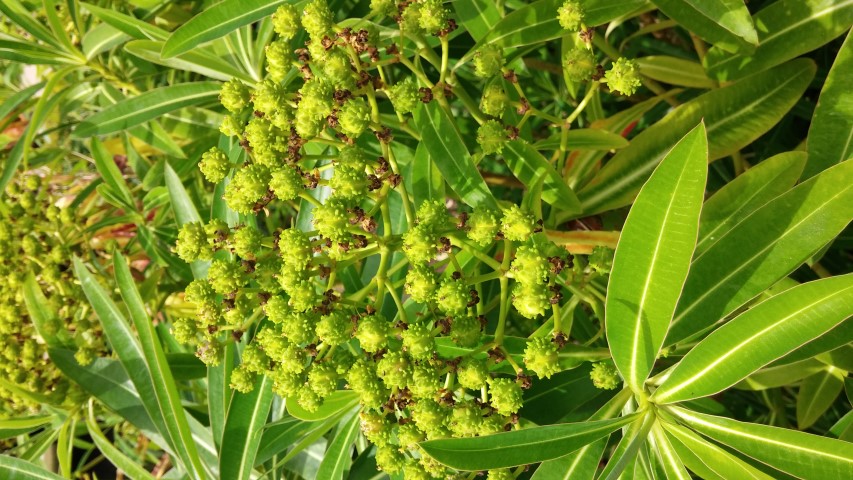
(344, 296)
(39, 233)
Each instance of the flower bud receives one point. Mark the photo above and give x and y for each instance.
(354, 117)
(214, 165)
(248, 186)
(505, 394)
(394, 369)
(491, 136)
(465, 331)
(420, 244)
(472, 373)
(405, 96)
(531, 299)
(494, 100)
(604, 375)
(488, 61)
(541, 357)
(433, 16)
(317, 19)
(286, 183)
(452, 297)
(334, 328)
(570, 15)
(242, 380)
(332, 220)
(372, 332)
(579, 64)
(421, 283)
(418, 340)
(279, 59)
(226, 276)
(285, 21)
(517, 225)
(192, 243)
(235, 95)
(623, 76)
(247, 241)
(323, 379)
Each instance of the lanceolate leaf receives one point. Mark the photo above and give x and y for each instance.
(135, 362)
(801, 454)
(763, 248)
(338, 457)
(666, 456)
(130, 467)
(675, 71)
(830, 138)
(43, 318)
(734, 116)
(168, 399)
(653, 256)
(530, 167)
(757, 337)
(725, 23)
(707, 459)
(199, 61)
(745, 194)
(147, 106)
(625, 454)
(786, 30)
(817, 393)
(520, 447)
(478, 17)
(537, 22)
(12, 468)
(185, 212)
(244, 425)
(218, 21)
(133, 27)
(447, 150)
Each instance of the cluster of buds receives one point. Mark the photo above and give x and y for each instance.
(39, 234)
(407, 306)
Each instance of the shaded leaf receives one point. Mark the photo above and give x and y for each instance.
(724, 23)
(734, 117)
(247, 415)
(531, 167)
(786, 30)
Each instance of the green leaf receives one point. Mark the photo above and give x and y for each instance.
(582, 464)
(763, 248)
(675, 71)
(537, 22)
(102, 38)
(724, 23)
(746, 193)
(106, 380)
(786, 30)
(129, 467)
(16, 99)
(185, 212)
(781, 375)
(147, 106)
(520, 447)
(137, 361)
(830, 139)
(45, 321)
(131, 26)
(111, 175)
(338, 457)
(801, 454)
(281, 435)
(707, 459)
(217, 21)
(32, 53)
(447, 150)
(478, 17)
(427, 182)
(760, 335)
(21, 15)
(734, 116)
(817, 393)
(666, 455)
(12, 468)
(45, 104)
(165, 389)
(633, 439)
(12, 427)
(585, 139)
(653, 257)
(335, 403)
(531, 167)
(198, 61)
(247, 415)
(219, 392)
